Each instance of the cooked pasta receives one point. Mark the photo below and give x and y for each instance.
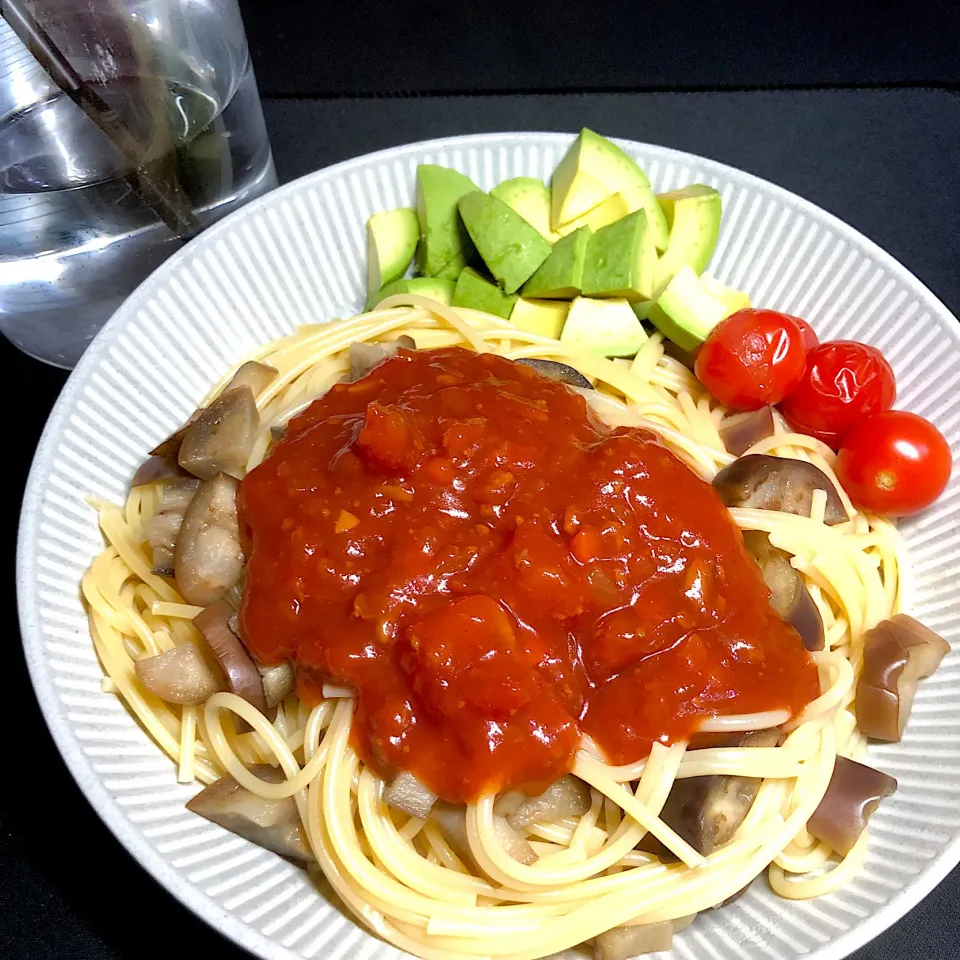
(399, 874)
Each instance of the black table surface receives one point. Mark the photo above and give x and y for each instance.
(887, 162)
(427, 46)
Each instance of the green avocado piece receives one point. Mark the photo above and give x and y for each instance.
(445, 246)
(607, 327)
(545, 317)
(593, 169)
(477, 293)
(643, 198)
(574, 192)
(693, 216)
(685, 312)
(435, 288)
(614, 208)
(560, 276)
(530, 198)
(734, 299)
(621, 260)
(507, 244)
(391, 243)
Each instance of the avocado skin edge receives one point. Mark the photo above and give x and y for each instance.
(477, 293)
(445, 246)
(507, 244)
(560, 276)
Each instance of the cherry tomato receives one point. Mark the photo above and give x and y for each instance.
(752, 358)
(894, 463)
(810, 339)
(843, 382)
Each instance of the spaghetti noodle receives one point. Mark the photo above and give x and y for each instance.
(398, 874)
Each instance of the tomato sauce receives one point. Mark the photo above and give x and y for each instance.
(495, 573)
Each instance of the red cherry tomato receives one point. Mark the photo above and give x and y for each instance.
(843, 382)
(894, 463)
(810, 339)
(751, 359)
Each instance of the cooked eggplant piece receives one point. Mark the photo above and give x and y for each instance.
(734, 897)
(408, 794)
(251, 374)
(566, 797)
(776, 483)
(512, 842)
(622, 943)
(242, 673)
(162, 529)
(687, 357)
(273, 824)
(788, 593)
(854, 793)
(277, 681)
(365, 356)
(181, 675)
(707, 811)
(208, 559)
(154, 469)
(452, 820)
(561, 372)
(234, 596)
(178, 494)
(170, 446)
(221, 438)
(650, 844)
(897, 654)
(507, 804)
(741, 431)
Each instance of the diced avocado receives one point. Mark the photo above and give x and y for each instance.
(445, 246)
(607, 327)
(545, 317)
(693, 216)
(560, 276)
(612, 209)
(594, 169)
(477, 293)
(621, 260)
(435, 288)
(573, 192)
(508, 245)
(577, 184)
(643, 198)
(734, 299)
(685, 312)
(642, 308)
(530, 198)
(391, 243)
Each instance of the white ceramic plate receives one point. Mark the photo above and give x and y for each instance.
(296, 256)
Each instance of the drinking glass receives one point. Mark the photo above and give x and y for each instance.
(80, 220)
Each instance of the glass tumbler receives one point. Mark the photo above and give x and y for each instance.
(80, 223)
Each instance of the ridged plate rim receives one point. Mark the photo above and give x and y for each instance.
(54, 712)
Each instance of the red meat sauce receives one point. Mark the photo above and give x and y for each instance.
(495, 573)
